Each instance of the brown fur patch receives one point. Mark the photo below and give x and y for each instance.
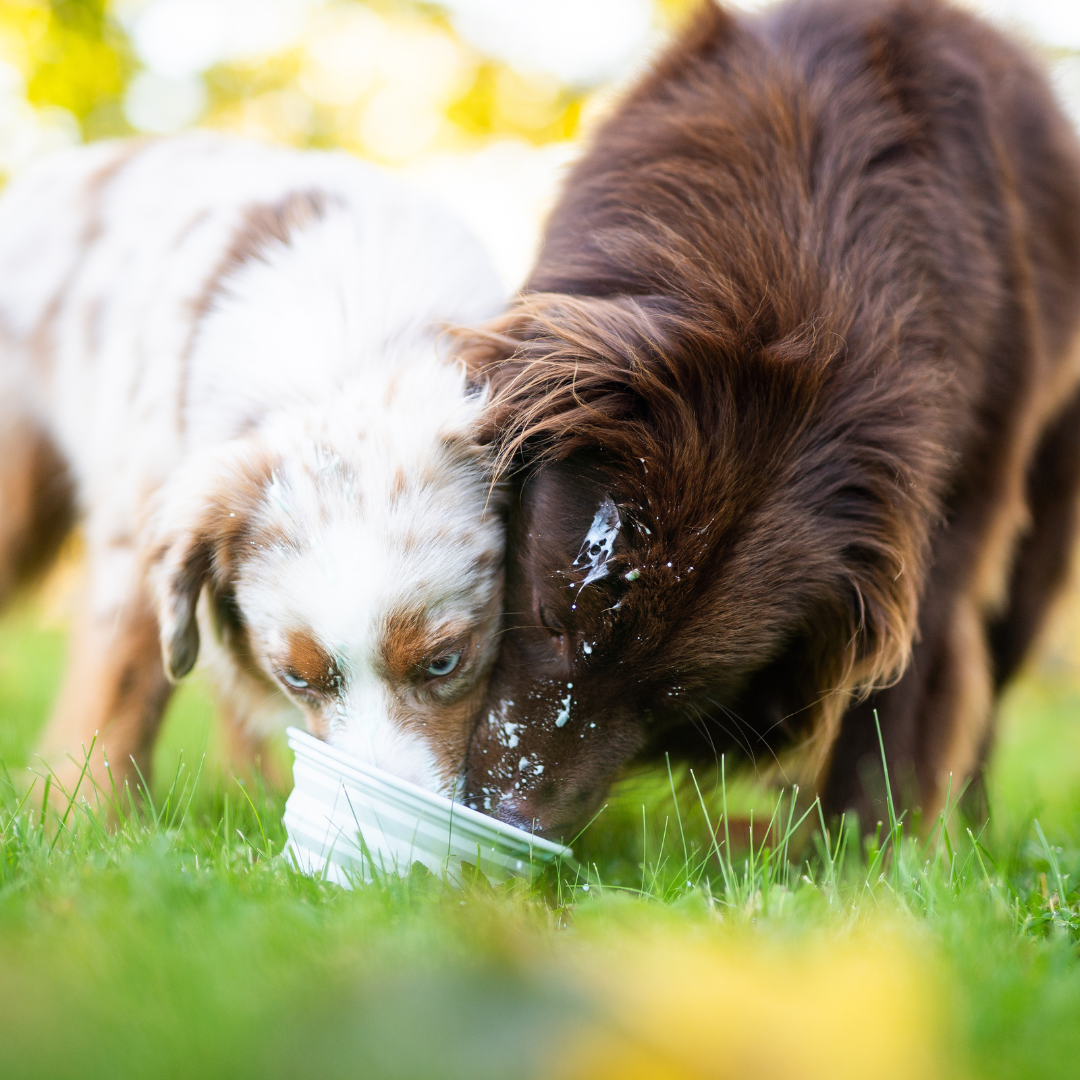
(799, 313)
(397, 488)
(408, 642)
(307, 658)
(445, 726)
(262, 225)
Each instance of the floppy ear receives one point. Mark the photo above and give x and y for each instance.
(565, 371)
(196, 529)
(178, 571)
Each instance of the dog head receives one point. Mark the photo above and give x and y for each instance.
(706, 547)
(352, 558)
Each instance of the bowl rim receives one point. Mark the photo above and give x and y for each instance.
(306, 744)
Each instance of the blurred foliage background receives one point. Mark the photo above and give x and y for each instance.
(481, 100)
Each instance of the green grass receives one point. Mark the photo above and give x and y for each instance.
(179, 942)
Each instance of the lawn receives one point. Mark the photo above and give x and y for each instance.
(181, 943)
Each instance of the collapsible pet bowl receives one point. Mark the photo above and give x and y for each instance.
(348, 820)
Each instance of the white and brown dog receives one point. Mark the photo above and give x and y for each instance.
(222, 358)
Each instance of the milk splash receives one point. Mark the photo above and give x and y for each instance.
(599, 541)
(564, 713)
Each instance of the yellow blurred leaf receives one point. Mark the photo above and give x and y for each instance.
(684, 1008)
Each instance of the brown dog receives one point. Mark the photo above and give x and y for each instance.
(792, 402)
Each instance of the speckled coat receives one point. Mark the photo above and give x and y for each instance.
(221, 359)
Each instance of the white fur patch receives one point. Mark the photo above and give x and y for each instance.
(175, 343)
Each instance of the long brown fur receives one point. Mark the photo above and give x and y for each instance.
(806, 313)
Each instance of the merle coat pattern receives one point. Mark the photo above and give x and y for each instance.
(222, 360)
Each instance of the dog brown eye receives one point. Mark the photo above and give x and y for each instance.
(551, 624)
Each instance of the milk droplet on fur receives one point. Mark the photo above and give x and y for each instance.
(564, 712)
(596, 548)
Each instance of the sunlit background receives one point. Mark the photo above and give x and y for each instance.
(483, 102)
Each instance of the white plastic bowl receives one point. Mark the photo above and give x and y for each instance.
(349, 820)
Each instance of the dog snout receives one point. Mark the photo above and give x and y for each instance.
(542, 817)
(518, 813)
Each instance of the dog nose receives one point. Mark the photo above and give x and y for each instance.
(513, 812)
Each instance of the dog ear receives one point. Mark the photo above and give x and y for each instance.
(178, 573)
(197, 527)
(563, 372)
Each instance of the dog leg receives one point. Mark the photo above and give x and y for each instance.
(1044, 558)
(36, 501)
(114, 694)
(937, 720)
(934, 724)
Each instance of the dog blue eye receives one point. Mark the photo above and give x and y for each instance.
(444, 665)
(295, 681)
